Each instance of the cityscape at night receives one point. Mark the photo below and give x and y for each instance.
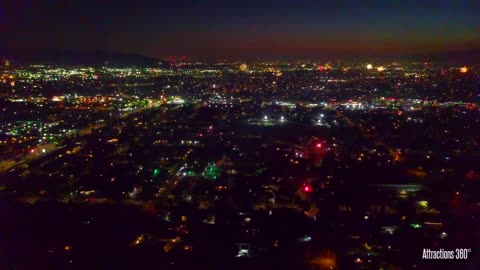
(262, 135)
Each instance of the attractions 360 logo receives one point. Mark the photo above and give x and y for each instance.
(442, 254)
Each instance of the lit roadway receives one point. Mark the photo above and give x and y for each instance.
(36, 153)
(46, 149)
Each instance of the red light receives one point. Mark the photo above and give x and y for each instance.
(31, 151)
(321, 68)
(319, 145)
(307, 188)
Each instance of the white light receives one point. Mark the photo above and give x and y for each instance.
(321, 115)
(307, 238)
(243, 253)
(265, 118)
(44, 151)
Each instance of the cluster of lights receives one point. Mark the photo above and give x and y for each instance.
(379, 69)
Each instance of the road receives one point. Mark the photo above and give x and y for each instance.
(46, 149)
(34, 154)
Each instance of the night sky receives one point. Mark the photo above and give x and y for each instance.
(242, 28)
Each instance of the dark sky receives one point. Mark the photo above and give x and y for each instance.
(242, 28)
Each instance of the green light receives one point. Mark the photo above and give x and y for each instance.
(260, 171)
(156, 172)
(415, 226)
(211, 171)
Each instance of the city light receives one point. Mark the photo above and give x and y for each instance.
(243, 67)
(380, 69)
(463, 69)
(307, 188)
(369, 66)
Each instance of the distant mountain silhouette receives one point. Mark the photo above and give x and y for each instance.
(99, 58)
(64, 57)
(457, 57)
(466, 57)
